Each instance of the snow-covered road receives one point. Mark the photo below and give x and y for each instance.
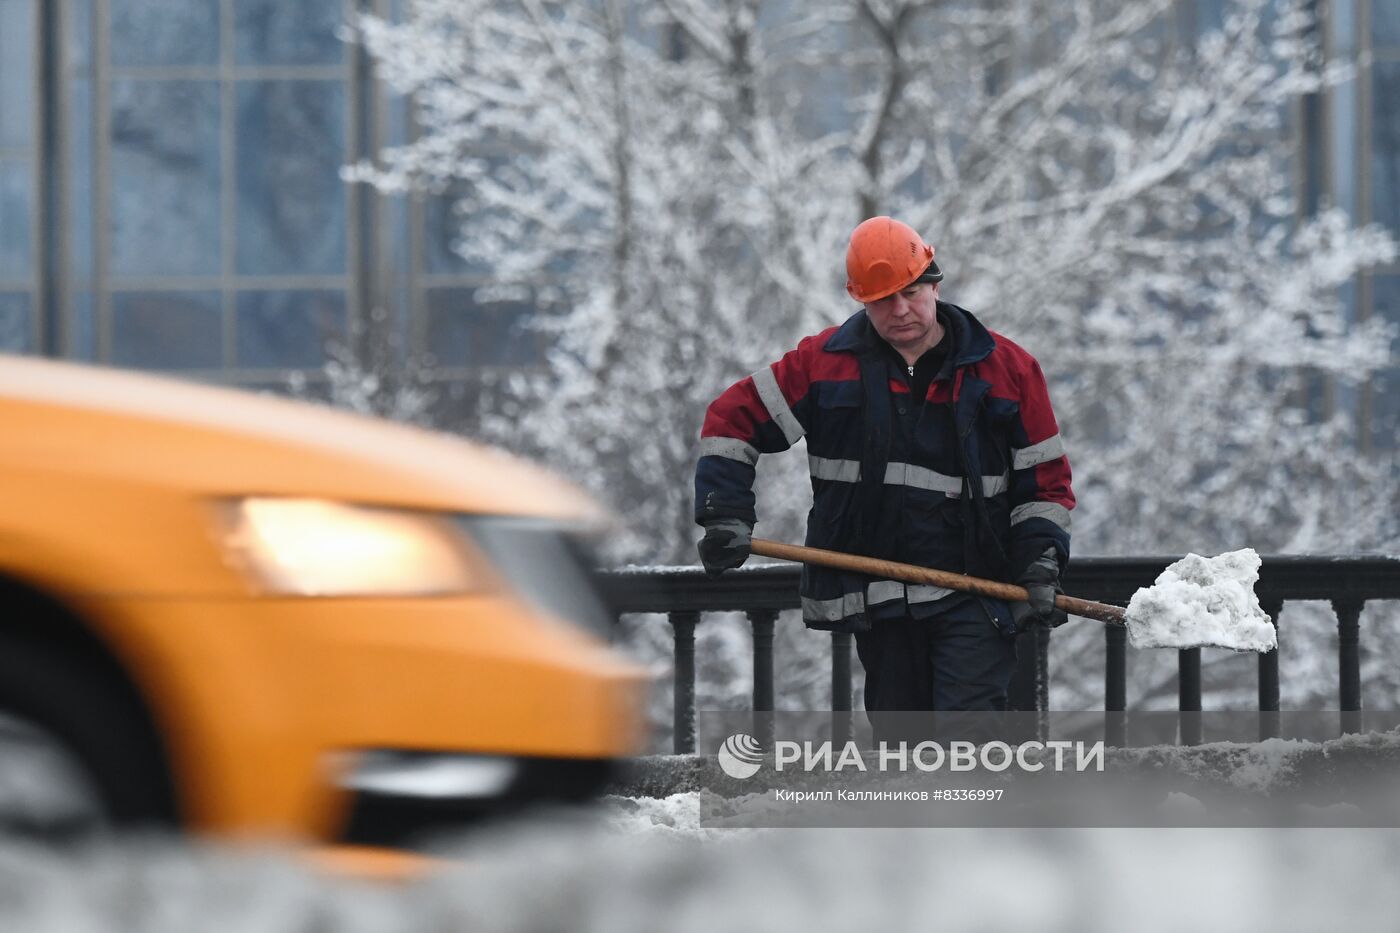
(644, 865)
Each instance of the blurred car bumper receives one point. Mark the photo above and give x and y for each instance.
(429, 795)
(279, 711)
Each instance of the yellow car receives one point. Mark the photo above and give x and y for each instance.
(243, 615)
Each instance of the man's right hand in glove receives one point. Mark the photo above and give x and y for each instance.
(725, 545)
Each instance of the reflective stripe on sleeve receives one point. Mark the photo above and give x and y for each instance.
(1023, 458)
(772, 397)
(833, 610)
(1051, 511)
(731, 448)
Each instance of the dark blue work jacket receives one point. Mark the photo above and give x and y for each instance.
(974, 479)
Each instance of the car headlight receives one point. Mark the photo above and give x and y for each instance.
(313, 547)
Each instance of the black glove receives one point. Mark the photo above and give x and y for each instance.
(725, 545)
(1042, 581)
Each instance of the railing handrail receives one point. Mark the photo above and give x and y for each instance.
(1107, 579)
(762, 590)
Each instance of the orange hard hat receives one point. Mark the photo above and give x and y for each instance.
(886, 256)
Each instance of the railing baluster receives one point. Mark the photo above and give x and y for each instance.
(1349, 660)
(1268, 678)
(1115, 684)
(683, 716)
(841, 687)
(1029, 679)
(1042, 669)
(762, 621)
(1188, 683)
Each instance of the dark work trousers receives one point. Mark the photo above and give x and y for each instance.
(956, 661)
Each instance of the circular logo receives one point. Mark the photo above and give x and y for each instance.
(740, 756)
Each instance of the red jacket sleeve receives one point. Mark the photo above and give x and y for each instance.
(765, 412)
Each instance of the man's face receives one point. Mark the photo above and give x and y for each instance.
(907, 320)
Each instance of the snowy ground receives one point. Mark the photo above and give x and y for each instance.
(644, 865)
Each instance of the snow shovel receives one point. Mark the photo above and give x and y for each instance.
(1196, 602)
(910, 573)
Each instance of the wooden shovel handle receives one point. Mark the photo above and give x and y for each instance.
(909, 573)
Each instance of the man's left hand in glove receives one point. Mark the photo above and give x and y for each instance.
(1042, 581)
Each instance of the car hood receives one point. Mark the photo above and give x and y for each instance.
(209, 441)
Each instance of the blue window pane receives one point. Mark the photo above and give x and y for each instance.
(1210, 15)
(16, 73)
(165, 177)
(81, 200)
(1344, 146)
(167, 330)
(465, 331)
(1386, 289)
(448, 215)
(1385, 418)
(1385, 23)
(291, 201)
(1385, 143)
(165, 32)
(16, 206)
(82, 336)
(275, 32)
(443, 226)
(1346, 294)
(78, 51)
(1344, 25)
(288, 329)
(77, 117)
(1385, 385)
(1314, 144)
(14, 322)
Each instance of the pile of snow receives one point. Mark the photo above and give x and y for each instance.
(1256, 767)
(1200, 601)
(677, 814)
(547, 876)
(1265, 763)
(1268, 766)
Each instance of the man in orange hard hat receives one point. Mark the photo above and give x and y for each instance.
(931, 441)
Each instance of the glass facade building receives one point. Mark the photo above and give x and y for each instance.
(170, 192)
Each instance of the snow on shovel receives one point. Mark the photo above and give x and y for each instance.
(1196, 602)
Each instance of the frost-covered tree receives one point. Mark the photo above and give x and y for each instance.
(685, 174)
(369, 372)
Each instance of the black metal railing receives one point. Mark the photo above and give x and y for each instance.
(684, 594)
